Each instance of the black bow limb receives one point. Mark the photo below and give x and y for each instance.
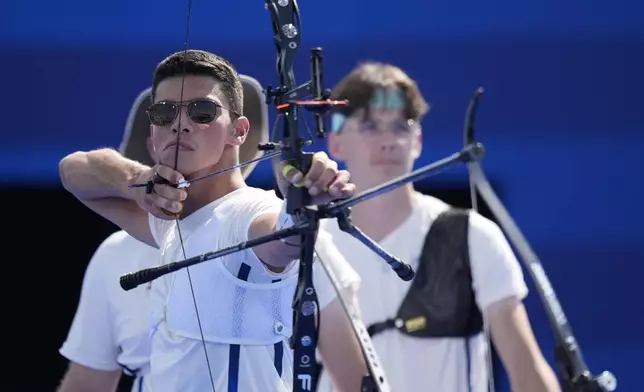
(572, 368)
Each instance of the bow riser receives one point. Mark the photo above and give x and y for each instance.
(285, 20)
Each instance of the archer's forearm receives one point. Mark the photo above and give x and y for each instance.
(275, 253)
(99, 174)
(539, 377)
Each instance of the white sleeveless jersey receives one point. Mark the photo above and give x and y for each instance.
(435, 364)
(110, 330)
(244, 309)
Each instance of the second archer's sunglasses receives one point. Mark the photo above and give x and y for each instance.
(200, 111)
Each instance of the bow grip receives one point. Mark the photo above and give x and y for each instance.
(298, 196)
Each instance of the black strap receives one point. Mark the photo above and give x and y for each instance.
(376, 328)
(445, 255)
(451, 226)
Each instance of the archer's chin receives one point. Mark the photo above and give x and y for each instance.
(184, 165)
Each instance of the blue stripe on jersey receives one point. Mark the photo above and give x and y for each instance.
(279, 354)
(233, 368)
(130, 372)
(233, 355)
(141, 384)
(279, 351)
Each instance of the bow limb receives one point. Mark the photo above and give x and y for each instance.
(286, 28)
(573, 370)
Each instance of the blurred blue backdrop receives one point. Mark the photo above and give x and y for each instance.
(561, 118)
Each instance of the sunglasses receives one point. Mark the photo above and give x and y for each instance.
(401, 127)
(200, 111)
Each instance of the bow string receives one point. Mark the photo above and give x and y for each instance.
(177, 220)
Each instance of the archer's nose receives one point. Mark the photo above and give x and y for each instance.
(182, 121)
(388, 141)
(184, 130)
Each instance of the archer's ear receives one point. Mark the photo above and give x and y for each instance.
(334, 146)
(240, 129)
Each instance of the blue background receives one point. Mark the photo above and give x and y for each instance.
(562, 116)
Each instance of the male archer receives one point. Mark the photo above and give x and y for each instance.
(234, 338)
(440, 345)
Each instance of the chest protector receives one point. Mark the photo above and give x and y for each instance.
(231, 310)
(440, 302)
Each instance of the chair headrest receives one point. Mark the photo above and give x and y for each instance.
(137, 127)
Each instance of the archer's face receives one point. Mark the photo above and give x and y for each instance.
(377, 148)
(201, 146)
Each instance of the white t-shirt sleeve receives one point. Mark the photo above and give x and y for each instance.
(91, 339)
(347, 278)
(238, 213)
(496, 272)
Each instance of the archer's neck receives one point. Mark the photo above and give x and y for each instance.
(381, 215)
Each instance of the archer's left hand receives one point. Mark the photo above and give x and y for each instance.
(323, 180)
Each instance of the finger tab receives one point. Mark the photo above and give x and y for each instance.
(168, 175)
(149, 187)
(159, 179)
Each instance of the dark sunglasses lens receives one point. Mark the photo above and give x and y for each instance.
(202, 112)
(162, 113)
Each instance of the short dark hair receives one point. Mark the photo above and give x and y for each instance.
(202, 63)
(360, 84)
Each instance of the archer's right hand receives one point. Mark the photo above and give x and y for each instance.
(165, 201)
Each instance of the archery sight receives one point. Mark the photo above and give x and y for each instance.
(289, 98)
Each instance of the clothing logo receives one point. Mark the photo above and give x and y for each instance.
(308, 308)
(415, 324)
(305, 361)
(305, 380)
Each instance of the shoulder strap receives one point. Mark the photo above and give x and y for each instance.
(440, 301)
(440, 291)
(444, 253)
(447, 236)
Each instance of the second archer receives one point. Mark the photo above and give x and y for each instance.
(429, 334)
